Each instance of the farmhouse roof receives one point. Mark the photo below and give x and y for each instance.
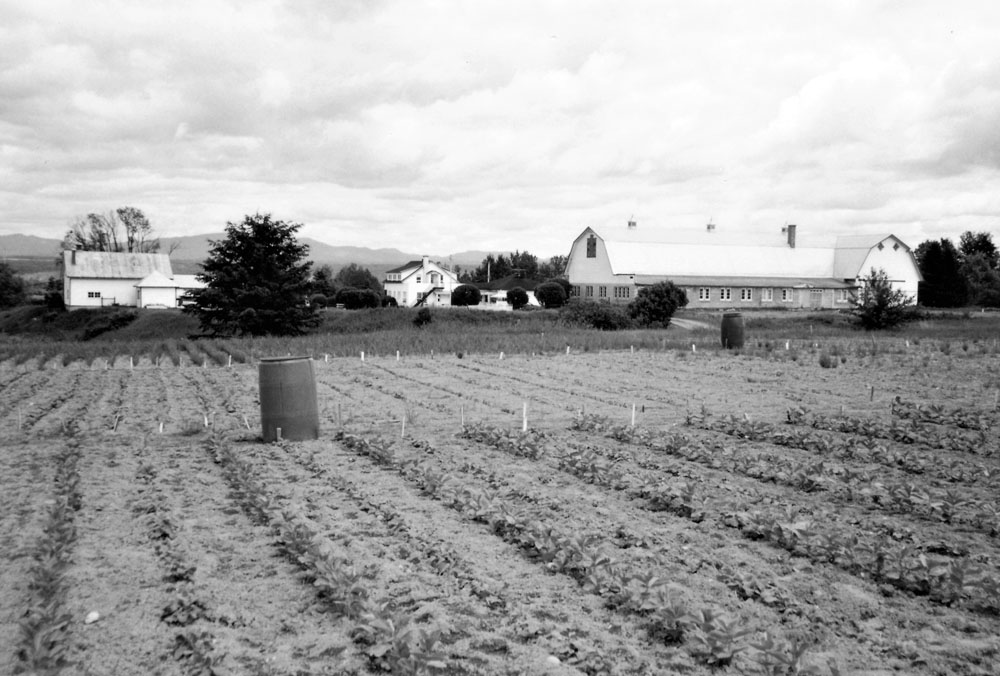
(509, 282)
(113, 265)
(406, 266)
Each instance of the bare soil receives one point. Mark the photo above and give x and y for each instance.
(153, 441)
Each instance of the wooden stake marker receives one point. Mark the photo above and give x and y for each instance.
(524, 417)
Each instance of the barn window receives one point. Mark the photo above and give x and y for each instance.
(767, 295)
(591, 247)
(93, 294)
(746, 294)
(704, 293)
(725, 294)
(786, 295)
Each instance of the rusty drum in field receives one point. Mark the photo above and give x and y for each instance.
(288, 408)
(732, 330)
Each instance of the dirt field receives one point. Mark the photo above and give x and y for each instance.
(634, 528)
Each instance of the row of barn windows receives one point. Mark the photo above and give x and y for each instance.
(766, 295)
(705, 293)
(602, 291)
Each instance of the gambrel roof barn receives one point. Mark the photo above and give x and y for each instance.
(717, 273)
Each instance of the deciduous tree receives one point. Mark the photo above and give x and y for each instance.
(257, 281)
(357, 277)
(125, 229)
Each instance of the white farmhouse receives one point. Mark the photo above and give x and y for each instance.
(101, 278)
(720, 274)
(420, 283)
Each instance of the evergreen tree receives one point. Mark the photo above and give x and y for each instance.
(323, 282)
(258, 281)
(11, 287)
(940, 266)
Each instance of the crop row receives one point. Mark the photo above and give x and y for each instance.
(390, 640)
(940, 414)
(45, 629)
(193, 649)
(856, 486)
(709, 635)
(942, 579)
(900, 431)
(858, 450)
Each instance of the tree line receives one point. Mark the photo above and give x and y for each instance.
(968, 274)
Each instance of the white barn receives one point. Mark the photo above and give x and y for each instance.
(101, 278)
(718, 274)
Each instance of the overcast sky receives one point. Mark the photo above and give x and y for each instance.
(437, 127)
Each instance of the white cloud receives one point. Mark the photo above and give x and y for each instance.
(452, 125)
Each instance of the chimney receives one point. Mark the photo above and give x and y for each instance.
(424, 261)
(790, 230)
(631, 224)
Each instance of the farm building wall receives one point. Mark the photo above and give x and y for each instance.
(86, 292)
(897, 265)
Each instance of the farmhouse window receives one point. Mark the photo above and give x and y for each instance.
(786, 295)
(602, 291)
(767, 295)
(591, 247)
(746, 294)
(93, 294)
(842, 296)
(704, 293)
(418, 279)
(590, 292)
(725, 294)
(574, 291)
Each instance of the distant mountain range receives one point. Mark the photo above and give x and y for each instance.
(189, 251)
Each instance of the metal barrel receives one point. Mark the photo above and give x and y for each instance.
(288, 407)
(732, 330)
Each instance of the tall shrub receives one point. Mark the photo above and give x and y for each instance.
(654, 305)
(465, 294)
(877, 305)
